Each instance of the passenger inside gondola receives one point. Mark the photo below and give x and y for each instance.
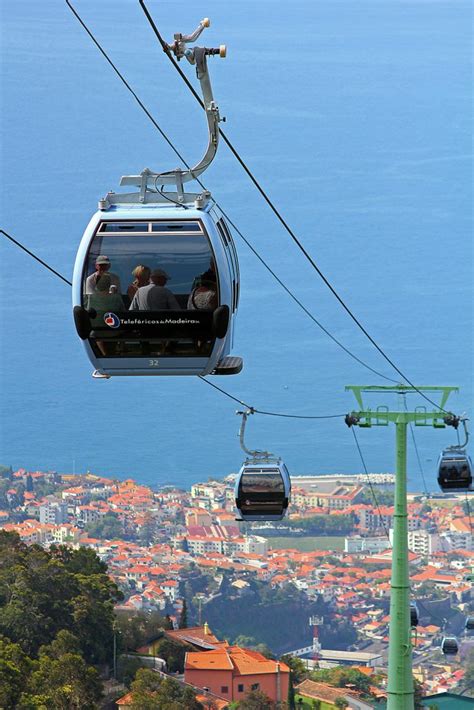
(102, 266)
(155, 296)
(178, 250)
(142, 278)
(100, 302)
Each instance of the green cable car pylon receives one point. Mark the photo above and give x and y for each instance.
(400, 689)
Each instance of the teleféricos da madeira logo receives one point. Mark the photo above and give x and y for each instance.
(112, 320)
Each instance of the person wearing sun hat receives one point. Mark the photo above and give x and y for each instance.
(102, 266)
(155, 296)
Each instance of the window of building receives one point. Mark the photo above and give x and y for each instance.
(240, 688)
(255, 686)
(224, 688)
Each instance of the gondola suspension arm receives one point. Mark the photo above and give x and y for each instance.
(254, 454)
(455, 421)
(196, 56)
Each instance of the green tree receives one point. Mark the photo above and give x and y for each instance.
(297, 667)
(291, 694)
(183, 620)
(340, 703)
(83, 561)
(256, 700)
(5, 485)
(65, 642)
(138, 628)
(469, 665)
(14, 669)
(147, 531)
(152, 692)
(67, 683)
(127, 669)
(109, 527)
(174, 654)
(43, 592)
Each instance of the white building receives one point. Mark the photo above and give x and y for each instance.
(53, 511)
(365, 544)
(457, 541)
(256, 545)
(421, 542)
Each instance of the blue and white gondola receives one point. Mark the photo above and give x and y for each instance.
(262, 491)
(183, 323)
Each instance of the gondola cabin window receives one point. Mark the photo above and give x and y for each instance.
(151, 288)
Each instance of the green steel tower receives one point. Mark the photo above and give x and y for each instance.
(400, 674)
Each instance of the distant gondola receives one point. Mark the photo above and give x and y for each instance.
(262, 490)
(469, 625)
(449, 645)
(414, 615)
(455, 471)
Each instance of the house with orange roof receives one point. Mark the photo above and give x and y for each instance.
(231, 672)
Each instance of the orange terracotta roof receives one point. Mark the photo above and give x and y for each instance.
(215, 660)
(241, 661)
(125, 699)
(249, 662)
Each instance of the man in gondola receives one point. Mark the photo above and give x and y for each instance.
(102, 266)
(155, 296)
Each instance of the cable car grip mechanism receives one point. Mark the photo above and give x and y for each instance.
(254, 454)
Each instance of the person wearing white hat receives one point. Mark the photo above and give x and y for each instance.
(102, 266)
(155, 296)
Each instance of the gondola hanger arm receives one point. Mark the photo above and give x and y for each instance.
(255, 454)
(455, 421)
(196, 56)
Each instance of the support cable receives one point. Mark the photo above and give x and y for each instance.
(254, 410)
(372, 490)
(420, 465)
(122, 78)
(277, 213)
(186, 164)
(299, 303)
(227, 394)
(30, 253)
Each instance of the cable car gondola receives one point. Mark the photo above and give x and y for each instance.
(156, 278)
(469, 625)
(455, 471)
(414, 615)
(263, 485)
(262, 490)
(454, 465)
(449, 645)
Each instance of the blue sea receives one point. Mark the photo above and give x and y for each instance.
(356, 118)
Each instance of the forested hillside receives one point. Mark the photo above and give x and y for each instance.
(56, 622)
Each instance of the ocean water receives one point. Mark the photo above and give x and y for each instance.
(355, 116)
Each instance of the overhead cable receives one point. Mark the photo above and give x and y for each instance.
(270, 414)
(239, 401)
(30, 253)
(420, 466)
(277, 213)
(371, 486)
